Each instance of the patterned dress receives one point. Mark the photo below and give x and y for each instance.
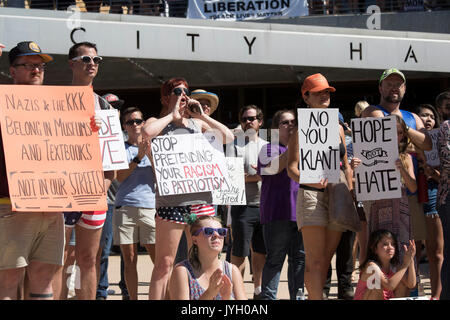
(444, 155)
(195, 289)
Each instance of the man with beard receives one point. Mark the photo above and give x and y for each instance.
(392, 87)
(247, 232)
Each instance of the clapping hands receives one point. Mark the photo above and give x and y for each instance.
(220, 283)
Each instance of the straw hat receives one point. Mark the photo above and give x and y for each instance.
(203, 94)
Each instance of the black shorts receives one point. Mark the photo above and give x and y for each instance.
(247, 230)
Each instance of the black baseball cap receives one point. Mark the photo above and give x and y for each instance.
(27, 48)
(113, 100)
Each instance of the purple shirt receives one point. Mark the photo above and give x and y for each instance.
(278, 192)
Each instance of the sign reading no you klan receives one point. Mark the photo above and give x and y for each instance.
(188, 163)
(375, 144)
(238, 10)
(318, 140)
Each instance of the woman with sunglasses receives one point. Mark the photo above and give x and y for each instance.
(179, 115)
(204, 276)
(320, 236)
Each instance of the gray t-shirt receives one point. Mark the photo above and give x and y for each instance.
(249, 150)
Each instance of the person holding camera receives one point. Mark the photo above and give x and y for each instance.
(179, 115)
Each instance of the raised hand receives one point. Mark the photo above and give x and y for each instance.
(227, 288)
(355, 162)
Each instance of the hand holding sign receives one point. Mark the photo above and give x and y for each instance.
(375, 147)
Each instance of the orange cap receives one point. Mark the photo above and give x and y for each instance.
(315, 83)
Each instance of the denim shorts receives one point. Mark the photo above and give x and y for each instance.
(430, 208)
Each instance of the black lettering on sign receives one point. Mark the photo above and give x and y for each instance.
(250, 44)
(193, 35)
(137, 40)
(25, 104)
(374, 130)
(163, 144)
(26, 188)
(381, 180)
(87, 183)
(355, 50)
(410, 54)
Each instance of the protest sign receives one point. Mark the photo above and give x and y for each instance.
(241, 10)
(433, 155)
(318, 140)
(112, 145)
(375, 144)
(188, 163)
(235, 193)
(52, 155)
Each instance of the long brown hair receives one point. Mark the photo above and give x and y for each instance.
(403, 144)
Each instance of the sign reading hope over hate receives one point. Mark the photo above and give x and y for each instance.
(52, 155)
(375, 144)
(318, 140)
(188, 163)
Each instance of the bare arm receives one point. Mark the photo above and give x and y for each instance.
(143, 149)
(407, 174)
(238, 284)
(347, 170)
(179, 284)
(153, 126)
(293, 158)
(420, 137)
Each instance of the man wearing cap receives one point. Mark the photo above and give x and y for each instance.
(84, 62)
(208, 100)
(31, 241)
(392, 88)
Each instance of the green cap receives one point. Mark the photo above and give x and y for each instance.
(388, 72)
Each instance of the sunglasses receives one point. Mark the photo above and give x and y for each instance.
(134, 121)
(179, 91)
(251, 119)
(89, 59)
(31, 67)
(208, 232)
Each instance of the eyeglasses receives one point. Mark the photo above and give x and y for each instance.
(31, 67)
(208, 232)
(134, 121)
(251, 119)
(179, 91)
(89, 59)
(287, 122)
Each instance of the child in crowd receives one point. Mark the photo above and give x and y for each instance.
(382, 278)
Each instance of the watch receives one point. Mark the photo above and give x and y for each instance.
(407, 128)
(136, 160)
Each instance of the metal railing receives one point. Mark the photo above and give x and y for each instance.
(178, 8)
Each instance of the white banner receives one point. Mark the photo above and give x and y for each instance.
(235, 193)
(375, 144)
(318, 140)
(241, 10)
(112, 145)
(188, 163)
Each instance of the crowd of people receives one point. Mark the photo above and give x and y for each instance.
(283, 216)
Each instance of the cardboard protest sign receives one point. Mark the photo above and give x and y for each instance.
(112, 145)
(375, 144)
(233, 194)
(433, 155)
(318, 140)
(188, 163)
(52, 155)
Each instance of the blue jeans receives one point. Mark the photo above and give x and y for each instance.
(282, 238)
(444, 214)
(105, 244)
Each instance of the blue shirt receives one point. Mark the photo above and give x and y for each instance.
(138, 190)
